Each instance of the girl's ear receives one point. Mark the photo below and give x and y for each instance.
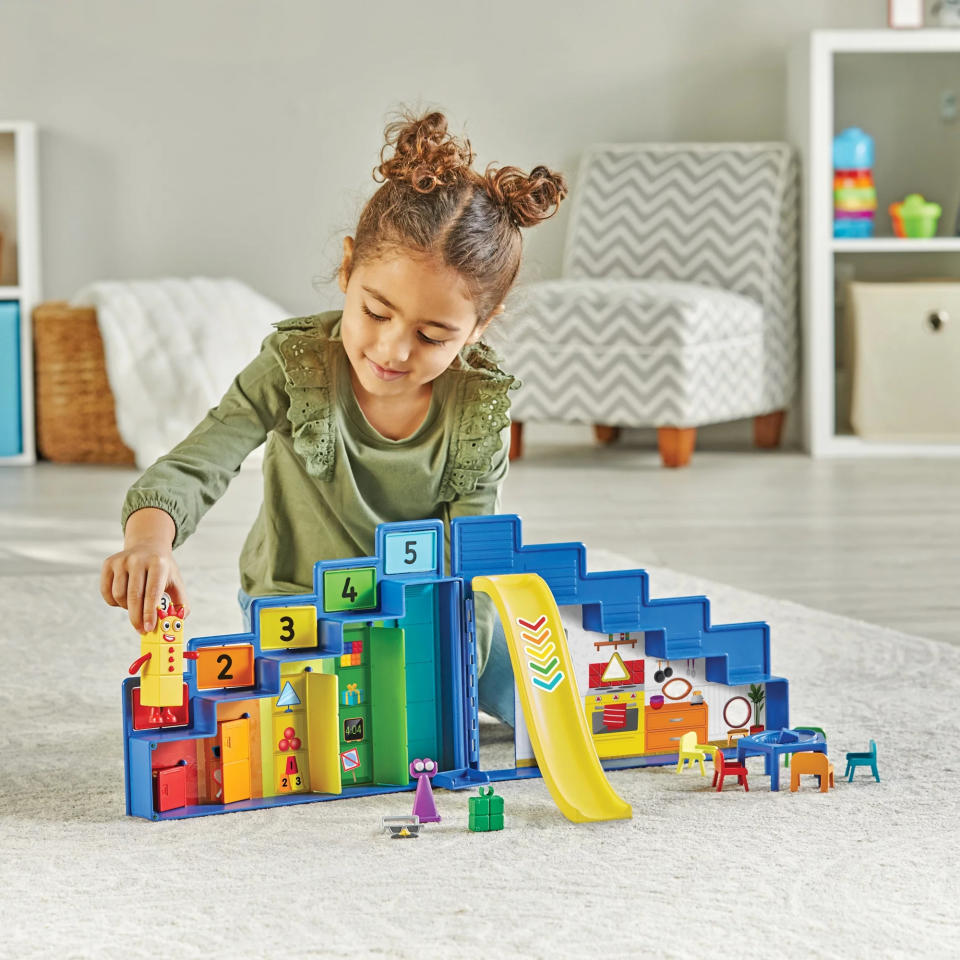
(346, 264)
(481, 327)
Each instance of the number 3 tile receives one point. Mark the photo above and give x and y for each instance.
(288, 628)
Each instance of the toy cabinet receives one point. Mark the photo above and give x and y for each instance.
(19, 289)
(901, 87)
(667, 725)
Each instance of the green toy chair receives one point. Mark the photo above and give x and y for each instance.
(786, 756)
(855, 760)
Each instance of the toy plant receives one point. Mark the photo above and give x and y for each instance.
(756, 696)
(161, 659)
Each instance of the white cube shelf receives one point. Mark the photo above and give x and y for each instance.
(810, 125)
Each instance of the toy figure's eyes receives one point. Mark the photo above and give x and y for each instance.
(418, 766)
(429, 765)
(178, 625)
(166, 624)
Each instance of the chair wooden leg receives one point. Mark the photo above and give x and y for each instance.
(516, 440)
(606, 435)
(767, 429)
(676, 445)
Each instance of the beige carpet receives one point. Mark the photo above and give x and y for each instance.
(866, 870)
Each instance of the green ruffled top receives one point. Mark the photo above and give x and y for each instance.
(329, 477)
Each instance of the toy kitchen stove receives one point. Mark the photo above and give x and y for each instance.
(615, 702)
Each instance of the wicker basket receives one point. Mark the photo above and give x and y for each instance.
(76, 422)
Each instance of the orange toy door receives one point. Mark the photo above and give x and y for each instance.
(235, 755)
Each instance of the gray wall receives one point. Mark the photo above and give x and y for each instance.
(197, 137)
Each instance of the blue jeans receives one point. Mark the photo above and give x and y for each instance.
(244, 599)
(496, 681)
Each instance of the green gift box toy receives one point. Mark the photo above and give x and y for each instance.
(486, 811)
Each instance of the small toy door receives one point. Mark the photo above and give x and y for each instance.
(235, 756)
(388, 683)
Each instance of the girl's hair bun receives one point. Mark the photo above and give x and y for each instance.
(528, 199)
(425, 155)
(432, 201)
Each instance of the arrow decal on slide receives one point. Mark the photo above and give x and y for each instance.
(537, 682)
(543, 663)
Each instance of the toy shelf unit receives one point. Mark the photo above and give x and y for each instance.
(334, 693)
(19, 289)
(901, 87)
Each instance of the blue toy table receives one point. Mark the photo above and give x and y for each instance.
(772, 744)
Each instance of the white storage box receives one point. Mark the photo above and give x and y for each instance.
(905, 361)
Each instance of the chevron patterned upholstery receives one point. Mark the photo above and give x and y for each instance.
(677, 305)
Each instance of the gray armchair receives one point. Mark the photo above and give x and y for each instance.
(677, 302)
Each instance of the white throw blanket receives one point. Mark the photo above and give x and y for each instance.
(172, 348)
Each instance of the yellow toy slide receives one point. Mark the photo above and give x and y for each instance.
(555, 718)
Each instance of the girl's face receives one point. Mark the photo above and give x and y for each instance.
(404, 320)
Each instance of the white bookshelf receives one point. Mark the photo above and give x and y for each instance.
(811, 128)
(20, 265)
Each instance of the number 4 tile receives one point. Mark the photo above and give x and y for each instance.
(354, 589)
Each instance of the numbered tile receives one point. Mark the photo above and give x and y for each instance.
(288, 628)
(414, 552)
(350, 589)
(227, 666)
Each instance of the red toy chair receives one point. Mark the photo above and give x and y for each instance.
(727, 768)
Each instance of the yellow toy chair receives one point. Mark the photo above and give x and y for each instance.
(692, 751)
(734, 735)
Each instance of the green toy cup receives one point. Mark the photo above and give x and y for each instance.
(915, 217)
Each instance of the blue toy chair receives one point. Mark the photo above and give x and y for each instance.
(855, 760)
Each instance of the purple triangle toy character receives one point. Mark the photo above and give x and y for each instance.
(423, 806)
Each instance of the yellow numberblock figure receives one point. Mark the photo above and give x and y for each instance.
(161, 660)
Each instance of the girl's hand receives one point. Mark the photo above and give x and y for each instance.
(135, 577)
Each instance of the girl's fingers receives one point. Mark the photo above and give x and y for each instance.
(136, 584)
(178, 593)
(106, 585)
(151, 596)
(119, 589)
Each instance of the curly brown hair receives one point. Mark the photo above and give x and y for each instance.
(432, 201)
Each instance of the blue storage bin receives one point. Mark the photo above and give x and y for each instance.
(11, 440)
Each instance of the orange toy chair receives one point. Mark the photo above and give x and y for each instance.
(727, 768)
(816, 764)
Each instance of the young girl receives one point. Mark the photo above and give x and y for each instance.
(391, 409)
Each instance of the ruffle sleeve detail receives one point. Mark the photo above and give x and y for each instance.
(484, 407)
(305, 346)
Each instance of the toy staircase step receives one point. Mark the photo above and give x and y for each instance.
(620, 615)
(737, 678)
(667, 647)
(562, 580)
(683, 648)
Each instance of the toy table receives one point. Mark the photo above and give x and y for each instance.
(772, 744)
